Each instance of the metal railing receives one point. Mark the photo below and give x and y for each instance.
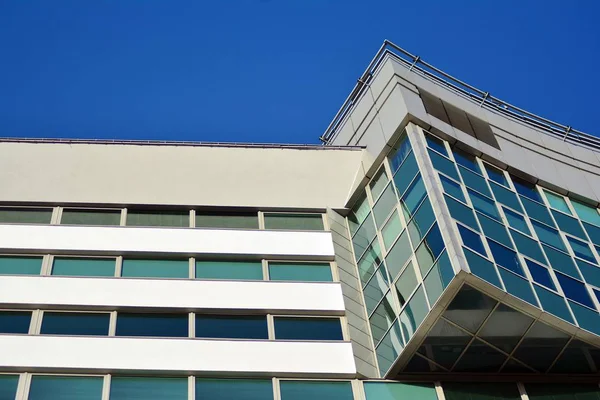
(484, 99)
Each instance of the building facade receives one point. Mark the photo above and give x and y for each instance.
(440, 245)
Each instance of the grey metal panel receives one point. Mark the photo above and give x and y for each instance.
(434, 106)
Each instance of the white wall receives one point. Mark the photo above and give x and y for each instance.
(318, 298)
(177, 355)
(165, 240)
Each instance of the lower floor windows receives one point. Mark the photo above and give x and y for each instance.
(232, 327)
(307, 328)
(15, 321)
(142, 388)
(159, 325)
(47, 387)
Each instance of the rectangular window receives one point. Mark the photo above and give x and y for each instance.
(232, 326)
(305, 328)
(65, 387)
(495, 174)
(8, 386)
(302, 390)
(75, 323)
(477, 391)
(394, 391)
(308, 222)
(75, 266)
(227, 220)
(138, 388)
(295, 271)
(73, 216)
(378, 183)
(141, 268)
(159, 325)
(557, 202)
(158, 218)
(17, 265)
(15, 321)
(229, 270)
(14, 215)
(234, 389)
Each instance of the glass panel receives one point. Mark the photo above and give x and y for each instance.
(436, 144)
(306, 272)
(73, 266)
(540, 274)
(482, 268)
(369, 262)
(577, 358)
(159, 325)
(586, 318)
(384, 206)
(406, 174)
(227, 220)
(15, 321)
(234, 389)
(13, 215)
(479, 357)
(231, 326)
(229, 270)
(364, 236)
(518, 286)
(413, 197)
(526, 189)
(443, 165)
(305, 222)
(8, 386)
(505, 257)
(396, 391)
(378, 183)
(359, 212)
(569, 224)
(593, 232)
(561, 261)
(516, 221)
(494, 230)
(466, 160)
(574, 290)
(136, 388)
(376, 289)
(495, 174)
(591, 273)
(505, 335)
(74, 323)
(548, 235)
(581, 249)
(453, 188)
(526, 245)
(586, 213)
(421, 222)
(553, 303)
(65, 388)
(406, 284)
(419, 364)
(550, 391)
(471, 239)
(429, 250)
(302, 390)
(398, 255)
(540, 346)
(557, 201)
(302, 328)
(391, 230)
(158, 218)
(155, 268)
(537, 211)
(444, 343)
(484, 205)
(414, 313)
(481, 391)
(16, 265)
(399, 152)
(438, 279)
(469, 308)
(389, 348)
(90, 217)
(382, 317)
(506, 197)
(474, 181)
(461, 213)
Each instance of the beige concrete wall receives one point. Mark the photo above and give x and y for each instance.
(177, 175)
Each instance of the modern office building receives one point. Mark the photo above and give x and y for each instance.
(441, 245)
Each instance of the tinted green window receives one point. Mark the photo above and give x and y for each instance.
(15, 265)
(159, 325)
(438, 278)
(482, 268)
(15, 321)
(461, 213)
(25, 215)
(227, 220)
(553, 303)
(406, 284)
(396, 391)
(480, 391)
(537, 211)
(429, 249)
(378, 183)
(421, 222)
(548, 235)
(389, 348)
(229, 270)
(391, 230)
(551, 391)
(517, 221)
(307, 222)
(443, 165)
(302, 390)
(405, 175)
(484, 204)
(73, 323)
(594, 233)
(232, 326)
(155, 268)
(90, 217)
(363, 236)
(398, 255)
(527, 246)
(382, 317)
(291, 328)
(65, 388)
(158, 218)
(581, 249)
(413, 197)
(568, 224)
(384, 206)
(8, 386)
(135, 388)
(590, 272)
(436, 144)
(586, 213)
(474, 181)
(308, 272)
(399, 152)
(369, 262)
(557, 201)
(452, 188)
(414, 313)
(234, 389)
(494, 230)
(71, 266)
(506, 197)
(376, 289)
(358, 214)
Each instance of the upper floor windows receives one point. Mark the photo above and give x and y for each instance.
(23, 215)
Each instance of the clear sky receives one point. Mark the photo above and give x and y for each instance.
(274, 70)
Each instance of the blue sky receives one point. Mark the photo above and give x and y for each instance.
(274, 70)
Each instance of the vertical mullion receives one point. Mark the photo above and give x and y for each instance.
(118, 266)
(271, 326)
(106, 387)
(192, 268)
(123, 221)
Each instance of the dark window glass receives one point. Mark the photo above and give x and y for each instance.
(484, 205)
(436, 144)
(65, 387)
(421, 222)
(376, 289)
(406, 174)
(452, 188)
(560, 261)
(160, 325)
(443, 165)
(302, 328)
(414, 313)
(574, 290)
(72, 323)
(231, 326)
(229, 270)
(553, 391)
(8, 386)
(378, 183)
(574, 359)
(568, 224)
(540, 346)
(13, 215)
(540, 274)
(227, 220)
(495, 174)
(495, 230)
(526, 189)
(481, 267)
(590, 272)
(397, 390)
(581, 249)
(471, 239)
(517, 286)
(548, 235)
(399, 152)
(305, 222)
(537, 211)
(502, 335)
(158, 218)
(593, 232)
(90, 217)
(461, 213)
(466, 160)
(586, 317)
(155, 268)
(429, 250)
(526, 245)
(506, 197)
(17, 265)
(444, 343)
(234, 389)
(439, 278)
(389, 348)
(553, 303)
(138, 388)
(479, 357)
(481, 391)
(517, 221)
(475, 181)
(506, 257)
(413, 197)
(302, 390)
(15, 321)
(74, 266)
(469, 308)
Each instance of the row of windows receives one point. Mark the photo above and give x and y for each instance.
(97, 387)
(168, 268)
(181, 218)
(171, 325)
